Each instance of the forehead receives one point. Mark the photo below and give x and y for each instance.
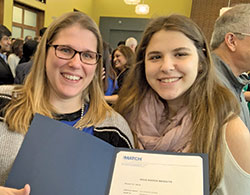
(77, 36)
(74, 29)
(4, 37)
(169, 39)
(117, 52)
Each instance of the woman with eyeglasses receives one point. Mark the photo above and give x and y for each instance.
(64, 84)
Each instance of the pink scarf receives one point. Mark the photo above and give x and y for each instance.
(155, 133)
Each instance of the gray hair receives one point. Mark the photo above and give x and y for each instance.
(237, 19)
(131, 41)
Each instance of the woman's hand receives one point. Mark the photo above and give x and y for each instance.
(12, 191)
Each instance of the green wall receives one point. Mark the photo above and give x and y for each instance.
(97, 8)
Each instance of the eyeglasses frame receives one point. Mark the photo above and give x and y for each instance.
(75, 52)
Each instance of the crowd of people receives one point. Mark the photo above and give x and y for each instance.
(14, 54)
(173, 92)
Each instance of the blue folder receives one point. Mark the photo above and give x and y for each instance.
(56, 159)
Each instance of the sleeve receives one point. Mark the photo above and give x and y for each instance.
(115, 130)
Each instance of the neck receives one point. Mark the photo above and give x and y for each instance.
(174, 107)
(63, 106)
(228, 58)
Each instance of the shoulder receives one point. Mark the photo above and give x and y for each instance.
(116, 128)
(24, 68)
(13, 56)
(238, 141)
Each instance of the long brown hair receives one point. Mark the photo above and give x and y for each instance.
(33, 96)
(211, 105)
(128, 54)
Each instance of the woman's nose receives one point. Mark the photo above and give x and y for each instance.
(168, 64)
(75, 61)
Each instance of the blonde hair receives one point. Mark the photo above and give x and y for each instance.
(33, 96)
(211, 105)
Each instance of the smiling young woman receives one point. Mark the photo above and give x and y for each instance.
(64, 84)
(174, 102)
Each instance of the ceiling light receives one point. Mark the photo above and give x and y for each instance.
(142, 9)
(132, 2)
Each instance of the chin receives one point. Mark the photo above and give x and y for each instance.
(168, 97)
(70, 93)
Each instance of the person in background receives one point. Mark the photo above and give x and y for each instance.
(15, 56)
(23, 69)
(13, 40)
(109, 82)
(246, 89)
(122, 59)
(28, 37)
(174, 102)
(131, 42)
(64, 84)
(6, 76)
(231, 52)
(29, 49)
(41, 32)
(120, 43)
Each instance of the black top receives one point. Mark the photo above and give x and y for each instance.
(111, 134)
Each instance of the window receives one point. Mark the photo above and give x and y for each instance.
(26, 21)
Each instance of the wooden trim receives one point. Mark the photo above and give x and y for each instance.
(39, 22)
(1, 11)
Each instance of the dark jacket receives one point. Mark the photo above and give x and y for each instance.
(6, 76)
(22, 70)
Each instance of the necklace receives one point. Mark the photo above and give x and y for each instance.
(82, 110)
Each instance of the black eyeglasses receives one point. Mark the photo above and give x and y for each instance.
(66, 53)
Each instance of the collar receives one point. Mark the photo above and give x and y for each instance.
(224, 71)
(4, 57)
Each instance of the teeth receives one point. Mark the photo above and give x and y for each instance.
(169, 80)
(71, 77)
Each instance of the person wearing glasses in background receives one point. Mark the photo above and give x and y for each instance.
(64, 84)
(6, 76)
(231, 52)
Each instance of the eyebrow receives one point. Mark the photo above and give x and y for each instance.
(182, 48)
(153, 52)
(175, 50)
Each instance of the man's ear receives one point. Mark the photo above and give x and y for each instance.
(231, 41)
